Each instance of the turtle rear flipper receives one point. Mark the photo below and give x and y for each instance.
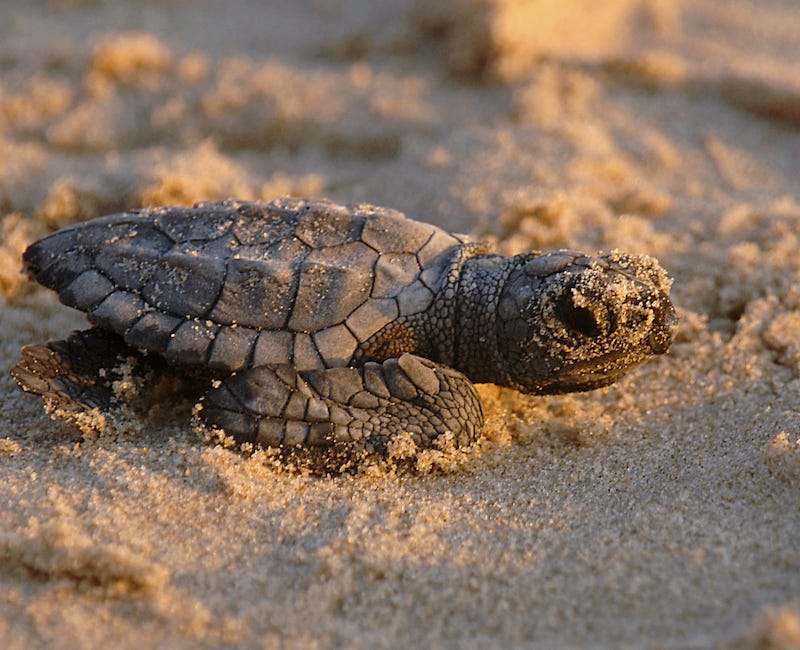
(74, 376)
(364, 407)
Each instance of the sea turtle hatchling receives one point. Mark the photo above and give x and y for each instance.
(319, 324)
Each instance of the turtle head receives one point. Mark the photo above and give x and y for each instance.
(568, 322)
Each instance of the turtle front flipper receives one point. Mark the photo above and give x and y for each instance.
(364, 407)
(77, 374)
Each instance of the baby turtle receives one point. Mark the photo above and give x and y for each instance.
(320, 324)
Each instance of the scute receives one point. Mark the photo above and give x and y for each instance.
(231, 348)
(273, 346)
(208, 221)
(87, 290)
(329, 225)
(372, 316)
(306, 356)
(118, 311)
(108, 231)
(41, 254)
(414, 299)
(152, 331)
(225, 246)
(189, 344)
(393, 272)
(334, 281)
(388, 231)
(335, 345)
(127, 265)
(439, 242)
(257, 293)
(69, 265)
(185, 283)
(258, 224)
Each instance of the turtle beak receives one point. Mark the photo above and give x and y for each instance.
(665, 327)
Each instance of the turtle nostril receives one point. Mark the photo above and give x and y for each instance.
(577, 319)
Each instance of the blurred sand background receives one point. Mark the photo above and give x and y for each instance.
(662, 512)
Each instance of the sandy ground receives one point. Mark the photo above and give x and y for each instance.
(662, 512)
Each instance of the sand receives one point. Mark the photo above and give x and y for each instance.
(661, 512)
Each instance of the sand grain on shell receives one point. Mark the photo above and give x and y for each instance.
(661, 511)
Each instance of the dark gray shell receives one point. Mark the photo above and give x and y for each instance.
(236, 284)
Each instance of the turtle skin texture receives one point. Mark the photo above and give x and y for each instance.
(317, 324)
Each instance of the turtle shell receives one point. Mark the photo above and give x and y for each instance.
(240, 284)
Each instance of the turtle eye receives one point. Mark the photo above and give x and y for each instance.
(577, 319)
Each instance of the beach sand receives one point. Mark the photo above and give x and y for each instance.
(661, 512)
